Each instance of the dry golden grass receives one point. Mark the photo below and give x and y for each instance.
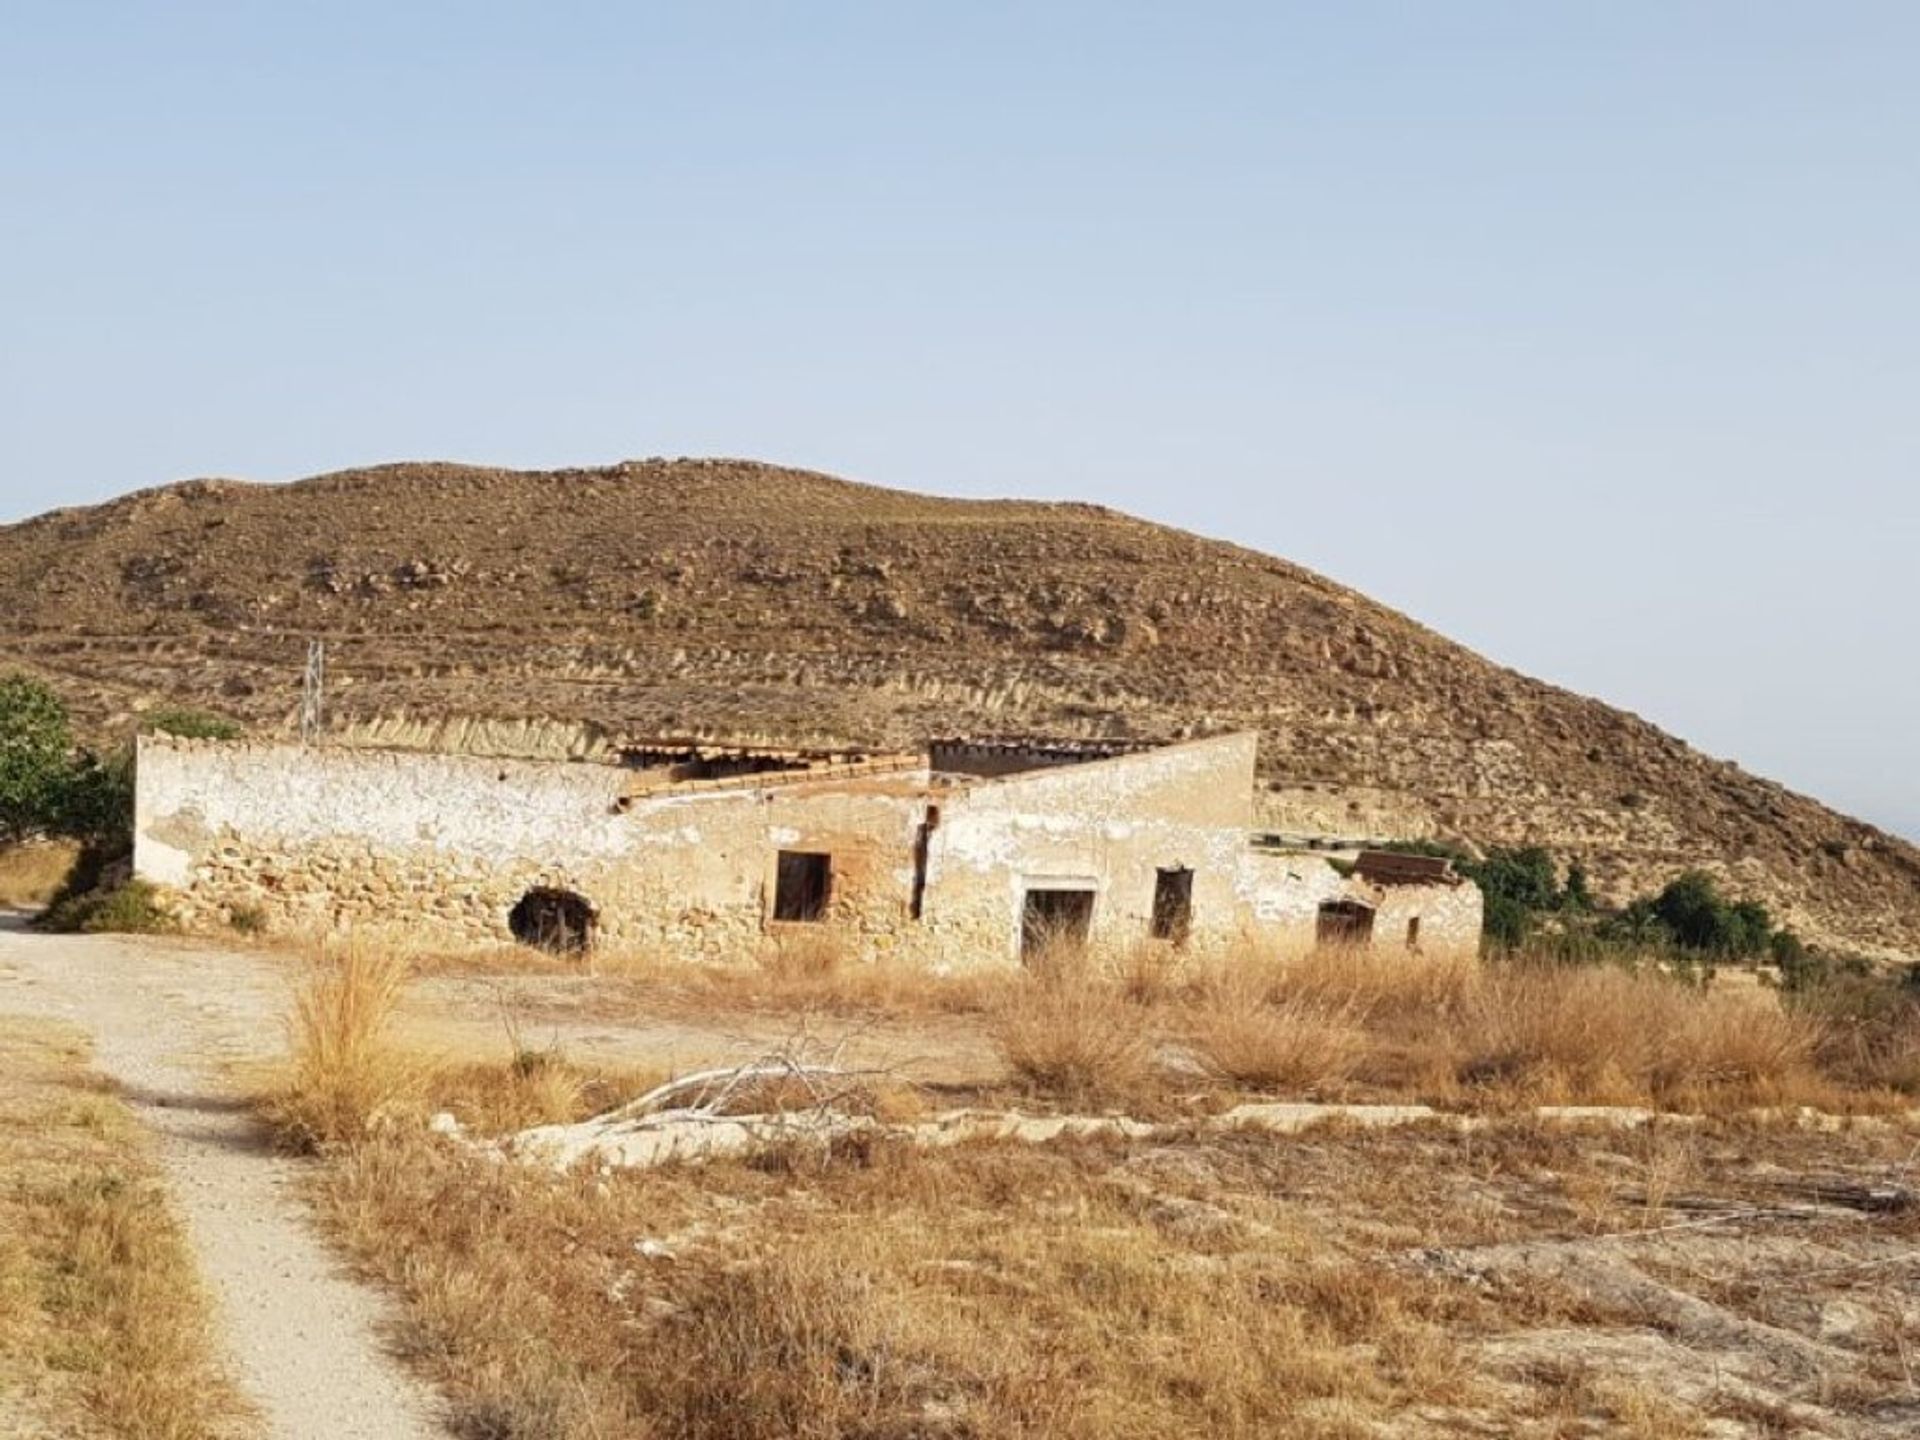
(103, 1321)
(346, 1074)
(1223, 1287)
(1608, 1036)
(1209, 1283)
(1077, 1040)
(32, 874)
(342, 1073)
(1081, 1026)
(1298, 1046)
(1376, 984)
(535, 1087)
(883, 1294)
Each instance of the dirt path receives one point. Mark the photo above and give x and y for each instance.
(302, 1337)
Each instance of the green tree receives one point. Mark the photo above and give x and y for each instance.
(36, 744)
(1749, 928)
(96, 804)
(1692, 909)
(1701, 919)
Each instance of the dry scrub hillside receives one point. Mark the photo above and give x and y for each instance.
(742, 600)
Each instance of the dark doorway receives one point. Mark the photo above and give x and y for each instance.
(802, 885)
(555, 920)
(1054, 920)
(1345, 922)
(1172, 905)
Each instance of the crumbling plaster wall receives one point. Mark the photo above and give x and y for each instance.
(1283, 893)
(1106, 825)
(446, 844)
(1449, 917)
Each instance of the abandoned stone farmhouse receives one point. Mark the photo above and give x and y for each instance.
(965, 852)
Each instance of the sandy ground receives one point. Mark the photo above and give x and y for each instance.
(302, 1338)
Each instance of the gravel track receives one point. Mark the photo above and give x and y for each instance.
(302, 1338)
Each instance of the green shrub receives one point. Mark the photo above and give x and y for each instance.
(131, 908)
(247, 919)
(190, 725)
(1701, 919)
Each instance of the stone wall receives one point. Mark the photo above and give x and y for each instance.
(1284, 892)
(1108, 825)
(444, 846)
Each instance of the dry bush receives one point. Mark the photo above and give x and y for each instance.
(1602, 1035)
(1560, 1035)
(1152, 972)
(1870, 1030)
(1076, 1040)
(1378, 985)
(342, 1075)
(534, 1087)
(811, 956)
(1298, 1044)
(1385, 984)
(33, 873)
(1747, 1049)
(1379, 1019)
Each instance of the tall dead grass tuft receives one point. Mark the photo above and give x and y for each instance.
(805, 957)
(1076, 1040)
(1749, 1049)
(1608, 1036)
(341, 1074)
(1303, 1046)
(1369, 983)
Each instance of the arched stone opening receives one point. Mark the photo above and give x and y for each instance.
(554, 920)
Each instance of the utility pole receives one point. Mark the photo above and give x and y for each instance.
(313, 714)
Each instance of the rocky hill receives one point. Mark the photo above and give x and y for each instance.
(732, 599)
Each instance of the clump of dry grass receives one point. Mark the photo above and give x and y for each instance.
(1870, 1029)
(1076, 1039)
(534, 1087)
(101, 1310)
(342, 1075)
(1298, 1045)
(33, 873)
(1607, 1036)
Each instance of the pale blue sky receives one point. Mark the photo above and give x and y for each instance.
(1588, 334)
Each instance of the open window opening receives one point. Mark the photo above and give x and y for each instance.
(1413, 933)
(1054, 920)
(1172, 905)
(554, 920)
(1345, 922)
(802, 885)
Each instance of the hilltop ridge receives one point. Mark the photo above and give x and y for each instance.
(744, 600)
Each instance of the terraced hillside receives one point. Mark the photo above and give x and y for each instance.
(742, 600)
